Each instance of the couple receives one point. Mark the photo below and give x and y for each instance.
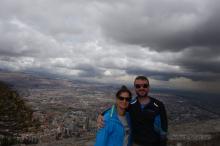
(138, 122)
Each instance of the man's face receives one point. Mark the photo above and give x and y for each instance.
(141, 88)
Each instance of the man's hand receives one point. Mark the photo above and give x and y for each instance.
(100, 121)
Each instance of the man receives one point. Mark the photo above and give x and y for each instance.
(148, 117)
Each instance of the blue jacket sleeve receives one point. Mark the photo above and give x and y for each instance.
(102, 135)
(160, 125)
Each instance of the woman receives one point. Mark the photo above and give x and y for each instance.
(116, 131)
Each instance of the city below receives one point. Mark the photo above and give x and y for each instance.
(68, 109)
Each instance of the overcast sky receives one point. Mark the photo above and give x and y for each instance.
(175, 43)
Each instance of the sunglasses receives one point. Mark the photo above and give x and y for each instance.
(138, 86)
(124, 98)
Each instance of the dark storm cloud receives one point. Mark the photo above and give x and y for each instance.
(188, 27)
(165, 25)
(200, 59)
(197, 63)
(201, 65)
(165, 76)
(114, 39)
(88, 70)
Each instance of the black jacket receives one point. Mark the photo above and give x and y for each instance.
(149, 124)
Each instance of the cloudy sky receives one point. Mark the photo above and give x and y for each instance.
(175, 43)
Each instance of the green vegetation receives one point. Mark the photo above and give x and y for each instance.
(8, 141)
(15, 115)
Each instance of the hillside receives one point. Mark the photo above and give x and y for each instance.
(15, 115)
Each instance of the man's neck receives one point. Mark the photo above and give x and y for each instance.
(144, 100)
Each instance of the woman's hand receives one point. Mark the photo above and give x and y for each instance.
(100, 121)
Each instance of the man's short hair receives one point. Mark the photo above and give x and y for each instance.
(141, 78)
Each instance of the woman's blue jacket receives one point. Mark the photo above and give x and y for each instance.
(113, 133)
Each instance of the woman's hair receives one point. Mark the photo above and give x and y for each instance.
(123, 89)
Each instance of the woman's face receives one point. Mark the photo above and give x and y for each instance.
(123, 100)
